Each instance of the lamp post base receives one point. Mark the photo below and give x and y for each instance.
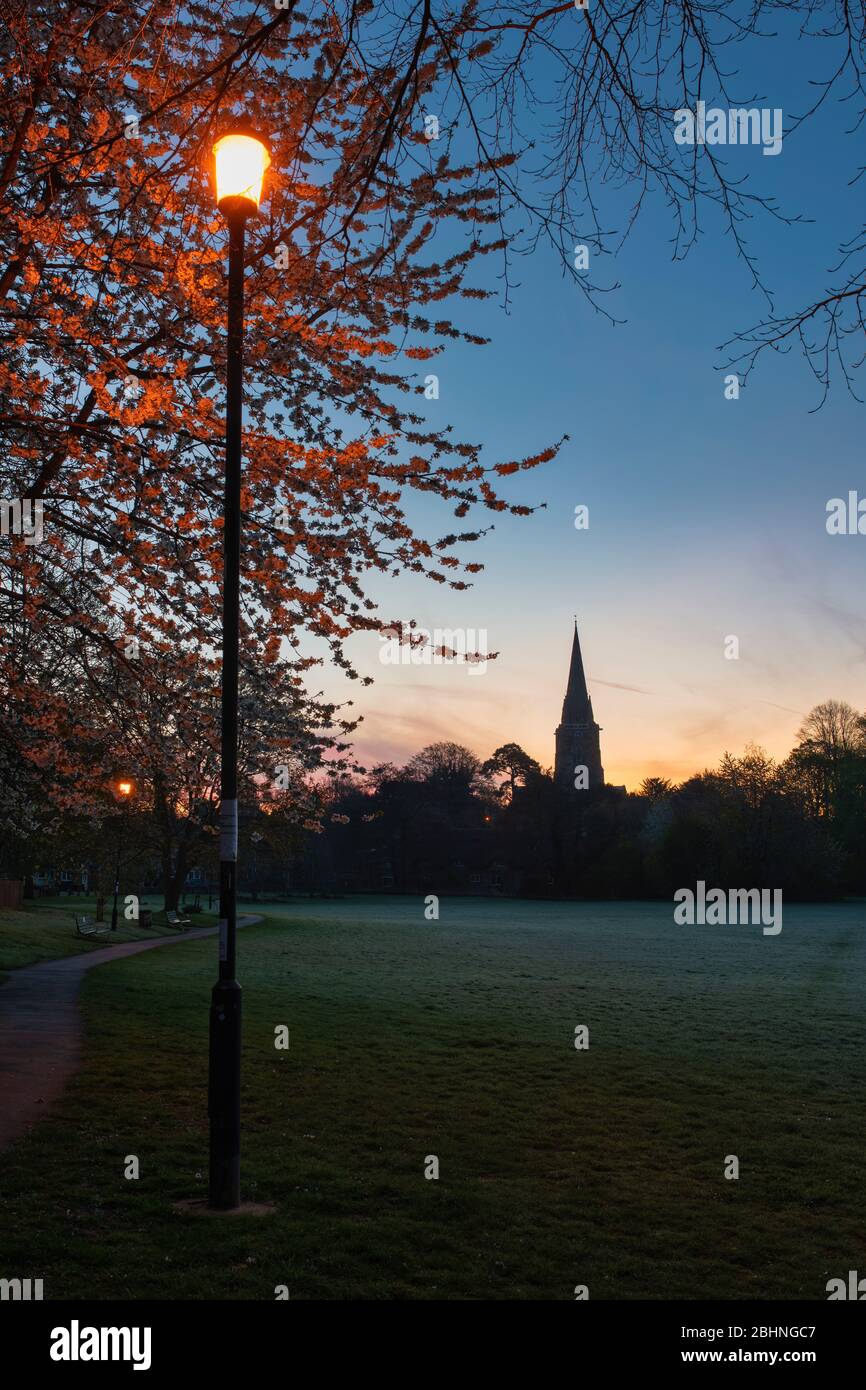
(224, 1096)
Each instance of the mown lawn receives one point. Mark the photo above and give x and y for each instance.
(47, 931)
(413, 1038)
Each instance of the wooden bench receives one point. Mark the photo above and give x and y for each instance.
(87, 926)
(175, 920)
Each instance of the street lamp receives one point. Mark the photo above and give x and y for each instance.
(241, 158)
(122, 792)
(256, 840)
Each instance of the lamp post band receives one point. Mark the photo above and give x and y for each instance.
(228, 832)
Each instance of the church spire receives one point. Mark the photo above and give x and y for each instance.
(577, 706)
(578, 747)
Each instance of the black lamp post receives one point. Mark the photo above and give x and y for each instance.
(241, 160)
(123, 791)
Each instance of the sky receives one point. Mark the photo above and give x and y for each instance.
(707, 517)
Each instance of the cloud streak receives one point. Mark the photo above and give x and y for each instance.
(616, 685)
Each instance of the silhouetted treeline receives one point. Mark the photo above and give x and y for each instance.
(446, 823)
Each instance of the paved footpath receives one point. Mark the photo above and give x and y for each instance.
(40, 1028)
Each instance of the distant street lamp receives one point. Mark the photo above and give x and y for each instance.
(241, 158)
(256, 840)
(122, 792)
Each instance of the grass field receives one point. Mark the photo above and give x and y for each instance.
(455, 1038)
(45, 930)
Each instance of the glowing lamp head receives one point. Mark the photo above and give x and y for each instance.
(241, 158)
(124, 788)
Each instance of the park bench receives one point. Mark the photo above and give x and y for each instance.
(175, 920)
(87, 926)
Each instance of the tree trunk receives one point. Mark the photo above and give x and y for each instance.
(174, 881)
(169, 890)
(173, 869)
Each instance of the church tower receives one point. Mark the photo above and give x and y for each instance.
(577, 738)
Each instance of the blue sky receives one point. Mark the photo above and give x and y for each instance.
(707, 516)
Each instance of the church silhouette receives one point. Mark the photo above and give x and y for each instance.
(578, 745)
